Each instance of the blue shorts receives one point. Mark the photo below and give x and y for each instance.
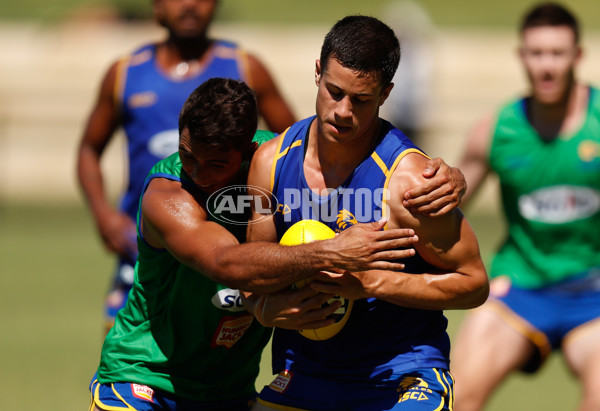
(138, 397)
(424, 389)
(546, 316)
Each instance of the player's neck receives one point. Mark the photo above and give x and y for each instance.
(562, 118)
(182, 58)
(328, 164)
(186, 49)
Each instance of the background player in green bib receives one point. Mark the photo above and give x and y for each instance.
(183, 340)
(545, 149)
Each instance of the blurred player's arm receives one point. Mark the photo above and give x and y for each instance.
(475, 160)
(440, 191)
(114, 227)
(447, 242)
(272, 106)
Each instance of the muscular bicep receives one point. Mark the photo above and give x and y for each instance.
(172, 219)
(449, 243)
(446, 242)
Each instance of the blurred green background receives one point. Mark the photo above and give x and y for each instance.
(53, 270)
(463, 13)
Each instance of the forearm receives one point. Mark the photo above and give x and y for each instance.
(91, 182)
(427, 291)
(265, 267)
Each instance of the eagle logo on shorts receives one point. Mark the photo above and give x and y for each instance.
(413, 388)
(411, 382)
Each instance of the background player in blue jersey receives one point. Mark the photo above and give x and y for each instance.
(545, 149)
(344, 166)
(143, 93)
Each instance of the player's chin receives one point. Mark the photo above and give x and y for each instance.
(187, 33)
(339, 134)
(550, 94)
(339, 130)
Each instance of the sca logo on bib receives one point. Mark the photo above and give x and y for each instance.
(228, 299)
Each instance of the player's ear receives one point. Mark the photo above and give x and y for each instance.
(521, 53)
(385, 93)
(317, 72)
(578, 54)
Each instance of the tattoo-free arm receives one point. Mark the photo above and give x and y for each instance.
(456, 278)
(115, 228)
(474, 162)
(271, 104)
(440, 191)
(174, 220)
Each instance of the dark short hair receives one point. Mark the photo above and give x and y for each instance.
(364, 44)
(221, 113)
(550, 14)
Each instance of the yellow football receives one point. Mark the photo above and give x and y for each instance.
(306, 231)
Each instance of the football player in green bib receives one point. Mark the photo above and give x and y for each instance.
(545, 150)
(184, 341)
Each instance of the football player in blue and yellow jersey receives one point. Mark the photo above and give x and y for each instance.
(347, 166)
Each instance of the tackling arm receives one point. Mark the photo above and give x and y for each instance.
(173, 219)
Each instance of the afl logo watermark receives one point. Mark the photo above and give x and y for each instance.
(234, 204)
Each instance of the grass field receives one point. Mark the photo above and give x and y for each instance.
(53, 277)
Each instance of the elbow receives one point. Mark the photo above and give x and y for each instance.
(480, 292)
(239, 282)
(243, 280)
(238, 277)
(229, 275)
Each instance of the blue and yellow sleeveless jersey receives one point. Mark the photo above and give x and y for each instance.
(150, 101)
(380, 340)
